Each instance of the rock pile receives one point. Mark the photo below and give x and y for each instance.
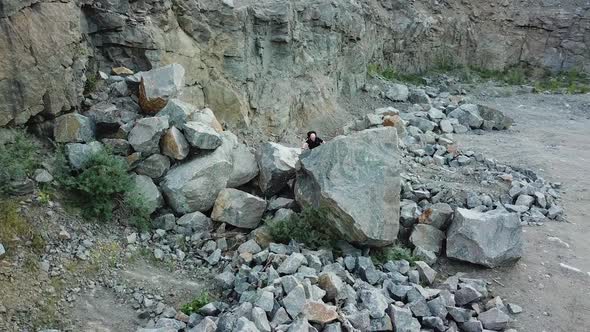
(289, 288)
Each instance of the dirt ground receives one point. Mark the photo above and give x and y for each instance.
(551, 135)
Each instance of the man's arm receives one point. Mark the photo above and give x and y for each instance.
(305, 146)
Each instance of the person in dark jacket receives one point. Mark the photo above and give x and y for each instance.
(313, 141)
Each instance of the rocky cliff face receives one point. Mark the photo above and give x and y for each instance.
(269, 64)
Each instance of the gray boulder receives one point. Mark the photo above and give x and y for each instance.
(418, 96)
(238, 208)
(402, 319)
(494, 319)
(174, 145)
(73, 128)
(196, 222)
(277, 166)
(145, 135)
(159, 85)
(201, 136)
(441, 215)
(468, 115)
(78, 154)
(154, 166)
(397, 92)
(177, 111)
(497, 119)
(356, 180)
(147, 192)
(427, 237)
(118, 146)
(491, 239)
(207, 117)
(194, 186)
(244, 165)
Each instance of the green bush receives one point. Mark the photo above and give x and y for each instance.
(196, 304)
(102, 186)
(91, 83)
(18, 159)
(384, 255)
(309, 227)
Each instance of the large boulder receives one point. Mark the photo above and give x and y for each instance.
(158, 85)
(154, 166)
(73, 128)
(494, 119)
(277, 164)
(397, 92)
(427, 237)
(468, 115)
(147, 192)
(244, 166)
(194, 186)
(201, 136)
(145, 135)
(356, 180)
(177, 112)
(207, 117)
(78, 153)
(238, 208)
(174, 145)
(491, 238)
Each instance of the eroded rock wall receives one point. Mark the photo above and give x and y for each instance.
(271, 64)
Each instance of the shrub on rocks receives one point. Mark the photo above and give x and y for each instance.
(307, 227)
(101, 185)
(196, 304)
(18, 159)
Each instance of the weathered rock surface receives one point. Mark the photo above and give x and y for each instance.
(148, 192)
(277, 166)
(427, 237)
(174, 145)
(491, 238)
(238, 208)
(145, 135)
(201, 136)
(158, 85)
(194, 186)
(73, 128)
(78, 153)
(356, 179)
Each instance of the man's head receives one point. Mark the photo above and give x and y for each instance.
(311, 135)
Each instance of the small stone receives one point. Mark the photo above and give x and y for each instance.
(260, 320)
(265, 301)
(64, 235)
(249, 246)
(319, 312)
(158, 254)
(472, 325)
(525, 200)
(494, 319)
(214, 258)
(402, 319)
(460, 315)
(331, 283)
(295, 301)
(514, 309)
(42, 176)
(205, 325)
(427, 274)
(466, 295)
(225, 279)
(434, 322)
(291, 264)
(132, 238)
(374, 301)
(2, 250)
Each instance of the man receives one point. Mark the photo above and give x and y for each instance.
(313, 141)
